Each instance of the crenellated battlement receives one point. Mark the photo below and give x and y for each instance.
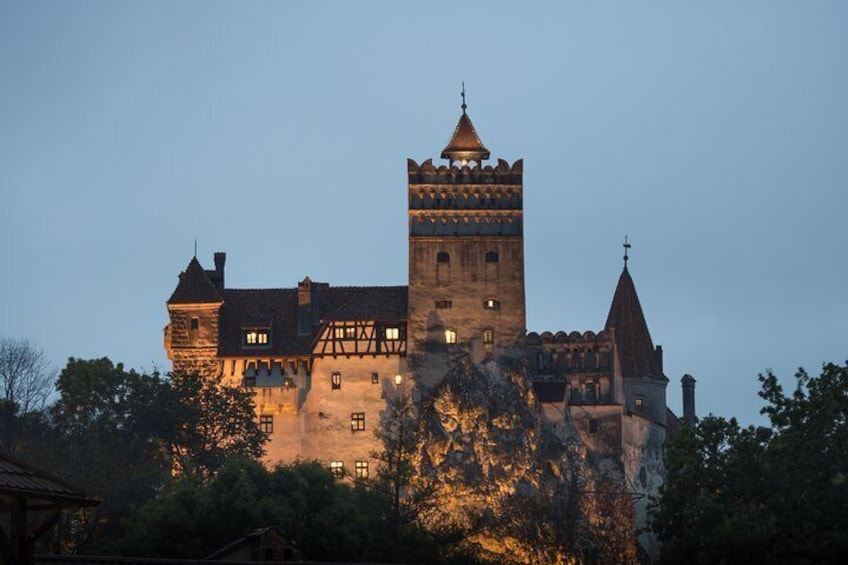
(586, 338)
(501, 174)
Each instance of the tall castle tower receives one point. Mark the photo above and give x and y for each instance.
(466, 251)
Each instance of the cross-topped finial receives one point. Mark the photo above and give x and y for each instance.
(464, 106)
(627, 247)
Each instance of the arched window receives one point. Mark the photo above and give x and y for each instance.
(443, 257)
(491, 257)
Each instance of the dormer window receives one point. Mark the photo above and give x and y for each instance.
(391, 333)
(256, 337)
(344, 332)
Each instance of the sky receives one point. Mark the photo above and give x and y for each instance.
(713, 134)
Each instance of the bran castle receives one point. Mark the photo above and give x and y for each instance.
(324, 361)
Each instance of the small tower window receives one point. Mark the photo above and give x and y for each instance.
(492, 304)
(489, 337)
(443, 257)
(491, 257)
(640, 401)
(450, 336)
(442, 304)
(195, 323)
(336, 381)
(357, 421)
(375, 378)
(337, 469)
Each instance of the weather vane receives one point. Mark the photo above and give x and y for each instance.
(463, 97)
(627, 247)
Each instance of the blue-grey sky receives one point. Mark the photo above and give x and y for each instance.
(713, 134)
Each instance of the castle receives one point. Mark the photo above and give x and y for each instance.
(323, 361)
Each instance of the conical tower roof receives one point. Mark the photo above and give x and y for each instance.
(194, 286)
(636, 353)
(465, 144)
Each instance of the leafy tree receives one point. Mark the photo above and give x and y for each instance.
(211, 424)
(758, 494)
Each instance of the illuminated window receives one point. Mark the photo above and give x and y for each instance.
(256, 337)
(450, 336)
(375, 378)
(266, 423)
(344, 332)
(491, 257)
(640, 401)
(337, 469)
(444, 304)
(492, 304)
(336, 380)
(443, 257)
(489, 336)
(338, 332)
(362, 469)
(357, 421)
(392, 333)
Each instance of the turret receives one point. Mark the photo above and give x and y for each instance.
(191, 337)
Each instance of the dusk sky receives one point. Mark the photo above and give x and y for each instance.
(713, 134)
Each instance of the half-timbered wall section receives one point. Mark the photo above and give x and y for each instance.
(362, 338)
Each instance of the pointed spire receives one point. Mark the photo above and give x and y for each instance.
(636, 353)
(465, 144)
(194, 286)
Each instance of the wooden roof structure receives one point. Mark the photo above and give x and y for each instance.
(25, 488)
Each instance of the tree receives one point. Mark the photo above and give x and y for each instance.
(212, 423)
(759, 494)
(26, 380)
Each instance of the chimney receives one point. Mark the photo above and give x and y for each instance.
(688, 399)
(658, 356)
(218, 275)
(307, 306)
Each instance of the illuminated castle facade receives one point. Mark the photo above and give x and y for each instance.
(323, 361)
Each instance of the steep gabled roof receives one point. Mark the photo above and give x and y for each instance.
(194, 286)
(465, 143)
(636, 353)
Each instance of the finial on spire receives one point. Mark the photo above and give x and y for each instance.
(464, 106)
(195, 247)
(627, 247)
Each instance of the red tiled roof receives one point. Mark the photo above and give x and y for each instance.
(194, 286)
(465, 143)
(19, 479)
(636, 353)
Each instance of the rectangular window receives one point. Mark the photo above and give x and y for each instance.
(337, 469)
(593, 426)
(392, 333)
(350, 332)
(590, 392)
(338, 332)
(362, 469)
(357, 421)
(441, 304)
(195, 323)
(256, 337)
(640, 401)
(375, 378)
(450, 336)
(492, 304)
(344, 332)
(266, 423)
(489, 337)
(336, 380)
